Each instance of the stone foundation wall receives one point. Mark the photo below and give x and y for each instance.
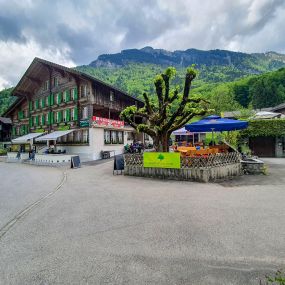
(201, 174)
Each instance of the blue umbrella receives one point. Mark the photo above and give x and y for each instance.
(215, 123)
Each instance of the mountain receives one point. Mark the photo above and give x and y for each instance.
(251, 63)
(133, 70)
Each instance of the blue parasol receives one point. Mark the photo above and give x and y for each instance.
(215, 123)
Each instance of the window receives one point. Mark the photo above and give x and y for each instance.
(55, 81)
(85, 136)
(46, 85)
(72, 93)
(112, 96)
(64, 116)
(113, 137)
(85, 113)
(107, 137)
(77, 136)
(47, 101)
(64, 96)
(47, 117)
(72, 115)
(35, 120)
(83, 90)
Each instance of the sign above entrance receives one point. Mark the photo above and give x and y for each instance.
(161, 159)
(104, 122)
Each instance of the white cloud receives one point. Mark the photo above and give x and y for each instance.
(16, 57)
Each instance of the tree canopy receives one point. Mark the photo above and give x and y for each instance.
(172, 109)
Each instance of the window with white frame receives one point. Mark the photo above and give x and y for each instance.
(64, 115)
(55, 81)
(72, 113)
(107, 137)
(35, 120)
(73, 93)
(46, 85)
(47, 101)
(85, 113)
(83, 90)
(47, 117)
(85, 136)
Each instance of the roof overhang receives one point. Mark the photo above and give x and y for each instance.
(26, 138)
(54, 135)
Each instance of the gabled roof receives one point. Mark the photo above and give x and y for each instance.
(31, 76)
(5, 120)
(278, 107)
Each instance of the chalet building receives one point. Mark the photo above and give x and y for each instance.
(80, 111)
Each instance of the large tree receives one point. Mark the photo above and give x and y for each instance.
(168, 112)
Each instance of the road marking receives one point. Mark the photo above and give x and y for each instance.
(29, 208)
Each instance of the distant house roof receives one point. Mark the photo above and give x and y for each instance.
(231, 114)
(278, 107)
(267, 115)
(5, 120)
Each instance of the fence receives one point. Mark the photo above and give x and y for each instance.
(204, 168)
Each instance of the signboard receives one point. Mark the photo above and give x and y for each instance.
(161, 159)
(84, 123)
(104, 122)
(75, 162)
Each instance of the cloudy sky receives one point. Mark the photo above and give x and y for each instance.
(75, 32)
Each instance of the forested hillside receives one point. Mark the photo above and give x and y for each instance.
(5, 99)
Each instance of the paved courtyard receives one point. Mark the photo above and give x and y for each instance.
(86, 226)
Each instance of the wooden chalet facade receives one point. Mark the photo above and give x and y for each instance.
(52, 97)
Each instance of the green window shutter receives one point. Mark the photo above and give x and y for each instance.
(26, 129)
(67, 95)
(30, 105)
(31, 122)
(68, 115)
(37, 104)
(51, 99)
(43, 102)
(75, 93)
(75, 113)
(13, 131)
(43, 119)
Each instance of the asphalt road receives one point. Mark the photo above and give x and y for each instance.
(96, 228)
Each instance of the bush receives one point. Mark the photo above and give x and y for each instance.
(3, 151)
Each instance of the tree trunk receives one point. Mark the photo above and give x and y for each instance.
(161, 143)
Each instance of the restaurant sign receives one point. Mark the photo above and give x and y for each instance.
(161, 159)
(104, 122)
(84, 123)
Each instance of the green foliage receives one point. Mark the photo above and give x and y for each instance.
(277, 279)
(170, 111)
(6, 99)
(274, 127)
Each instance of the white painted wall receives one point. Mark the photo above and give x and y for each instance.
(96, 145)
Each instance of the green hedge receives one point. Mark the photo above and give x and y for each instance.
(266, 128)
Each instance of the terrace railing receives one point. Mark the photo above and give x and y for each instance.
(212, 160)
